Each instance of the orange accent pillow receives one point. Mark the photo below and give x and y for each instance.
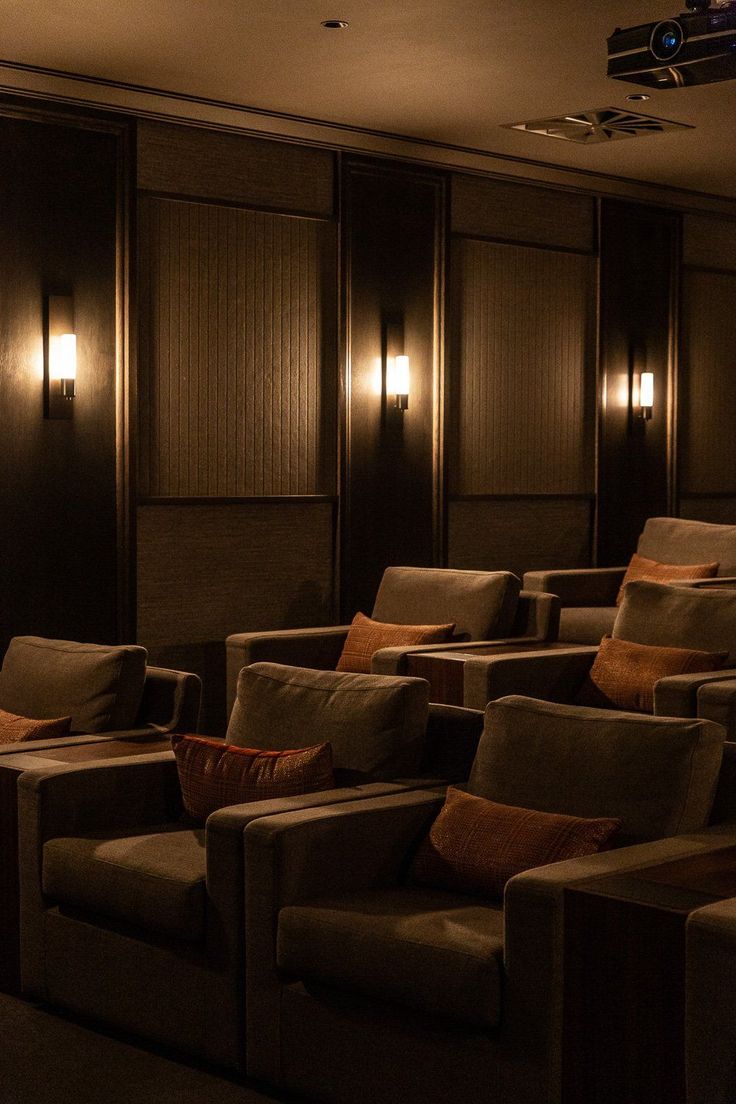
(213, 775)
(623, 674)
(655, 572)
(15, 729)
(366, 636)
(476, 845)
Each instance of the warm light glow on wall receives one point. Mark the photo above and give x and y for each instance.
(397, 380)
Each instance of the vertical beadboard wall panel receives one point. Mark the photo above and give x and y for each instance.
(707, 404)
(522, 391)
(237, 373)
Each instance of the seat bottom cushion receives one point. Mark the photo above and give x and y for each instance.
(586, 624)
(430, 950)
(154, 880)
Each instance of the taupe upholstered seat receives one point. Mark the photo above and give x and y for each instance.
(433, 995)
(483, 606)
(650, 614)
(429, 950)
(154, 880)
(588, 595)
(107, 690)
(120, 898)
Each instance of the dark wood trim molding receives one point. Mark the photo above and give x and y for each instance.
(260, 500)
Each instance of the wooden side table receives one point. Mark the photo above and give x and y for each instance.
(445, 670)
(624, 995)
(11, 766)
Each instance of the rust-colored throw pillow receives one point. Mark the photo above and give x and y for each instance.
(15, 729)
(366, 636)
(213, 774)
(623, 674)
(476, 845)
(640, 567)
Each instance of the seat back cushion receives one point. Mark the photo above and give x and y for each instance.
(376, 724)
(657, 775)
(678, 617)
(98, 686)
(681, 541)
(482, 604)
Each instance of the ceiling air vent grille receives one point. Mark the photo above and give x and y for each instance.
(608, 124)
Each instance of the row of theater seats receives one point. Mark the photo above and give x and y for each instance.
(381, 937)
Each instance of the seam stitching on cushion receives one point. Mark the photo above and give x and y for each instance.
(689, 783)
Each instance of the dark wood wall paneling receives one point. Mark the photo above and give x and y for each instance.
(707, 396)
(237, 394)
(393, 265)
(521, 377)
(639, 259)
(58, 196)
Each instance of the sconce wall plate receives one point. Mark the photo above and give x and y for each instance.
(60, 357)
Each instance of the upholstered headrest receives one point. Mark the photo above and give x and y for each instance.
(98, 686)
(657, 774)
(482, 604)
(375, 723)
(681, 541)
(678, 617)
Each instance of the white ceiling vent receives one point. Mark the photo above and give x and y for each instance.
(607, 124)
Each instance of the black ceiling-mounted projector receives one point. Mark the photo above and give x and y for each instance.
(697, 47)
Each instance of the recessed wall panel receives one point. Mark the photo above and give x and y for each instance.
(522, 373)
(237, 359)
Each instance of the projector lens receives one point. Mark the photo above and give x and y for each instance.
(667, 39)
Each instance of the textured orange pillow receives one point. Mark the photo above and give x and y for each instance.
(476, 845)
(15, 729)
(640, 567)
(623, 674)
(366, 636)
(213, 774)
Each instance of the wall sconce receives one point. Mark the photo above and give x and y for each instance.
(60, 359)
(397, 380)
(395, 363)
(646, 394)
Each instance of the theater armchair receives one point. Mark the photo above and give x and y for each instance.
(588, 595)
(107, 691)
(135, 917)
(363, 986)
(651, 614)
(710, 1024)
(483, 605)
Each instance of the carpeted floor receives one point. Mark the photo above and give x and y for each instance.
(45, 1059)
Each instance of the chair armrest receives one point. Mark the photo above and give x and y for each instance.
(72, 799)
(551, 675)
(537, 616)
(320, 648)
(710, 985)
(302, 855)
(717, 702)
(583, 586)
(679, 695)
(171, 701)
(534, 933)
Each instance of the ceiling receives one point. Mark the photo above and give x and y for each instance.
(442, 71)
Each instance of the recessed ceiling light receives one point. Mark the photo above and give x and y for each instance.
(335, 24)
(638, 96)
